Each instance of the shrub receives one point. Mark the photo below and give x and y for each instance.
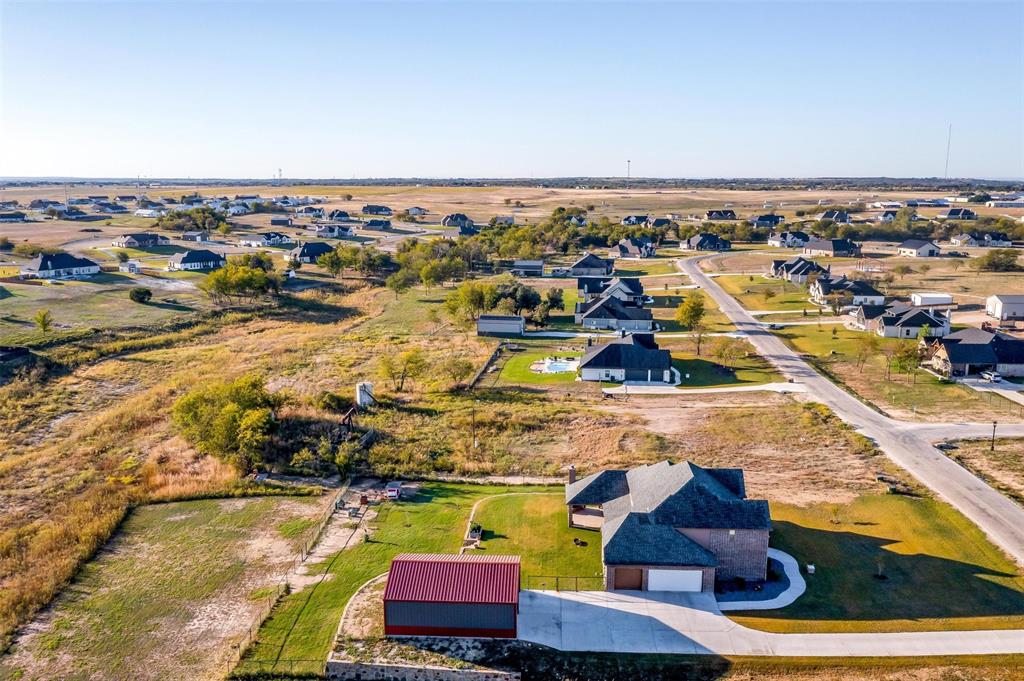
(140, 295)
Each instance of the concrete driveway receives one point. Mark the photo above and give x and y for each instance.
(905, 443)
(691, 623)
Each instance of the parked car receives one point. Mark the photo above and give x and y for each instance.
(775, 327)
(991, 376)
(393, 490)
(561, 272)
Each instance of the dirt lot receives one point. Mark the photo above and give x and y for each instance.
(1002, 467)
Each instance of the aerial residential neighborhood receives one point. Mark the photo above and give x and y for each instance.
(434, 341)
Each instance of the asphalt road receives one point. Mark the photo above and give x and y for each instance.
(908, 444)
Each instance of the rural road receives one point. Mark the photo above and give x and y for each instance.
(908, 444)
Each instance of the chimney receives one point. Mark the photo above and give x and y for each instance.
(572, 473)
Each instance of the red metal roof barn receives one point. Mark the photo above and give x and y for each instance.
(452, 595)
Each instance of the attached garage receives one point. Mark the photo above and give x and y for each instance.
(452, 595)
(675, 580)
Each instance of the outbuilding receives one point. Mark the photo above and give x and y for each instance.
(500, 325)
(452, 595)
(1005, 307)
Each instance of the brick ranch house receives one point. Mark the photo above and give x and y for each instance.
(672, 527)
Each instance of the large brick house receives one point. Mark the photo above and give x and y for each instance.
(672, 527)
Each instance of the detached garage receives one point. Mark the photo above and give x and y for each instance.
(452, 595)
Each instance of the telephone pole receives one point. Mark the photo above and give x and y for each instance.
(628, 173)
(949, 139)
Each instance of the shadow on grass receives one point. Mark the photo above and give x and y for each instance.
(177, 307)
(846, 584)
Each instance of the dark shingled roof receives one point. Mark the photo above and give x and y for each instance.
(591, 260)
(642, 505)
(635, 351)
(915, 243)
(611, 307)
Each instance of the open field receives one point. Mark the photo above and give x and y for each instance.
(920, 396)
(760, 293)
(939, 571)
(168, 597)
(666, 303)
(1001, 467)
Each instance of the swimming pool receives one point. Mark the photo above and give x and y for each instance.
(559, 365)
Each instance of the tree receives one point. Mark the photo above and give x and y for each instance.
(401, 281)
(456, 369)
(432, 273)
(924, 269)
(768, 294)
(43, 320)
(906, 357)
(690, 313)
(955, 264)
(555, 298)
(406, 366)
(727, 350)
(122, 256)
(261, 261)
(902, 271)
(998, 260)
(332, 262)
(140, 294)
(866, 345)
(231, 420)
(838, 301)
(698, 330)
(235, 280)
(540, 314)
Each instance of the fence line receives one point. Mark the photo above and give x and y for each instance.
(490, 360)
(281, 589)
(564, 582)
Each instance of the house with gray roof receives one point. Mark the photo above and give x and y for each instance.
(705, 242)
(608, 312)
(917, 248)
(632, 357)
(633, 247)
(590, 265)
(672, 527)
(797, 269)
(972, 350)
(627, 289)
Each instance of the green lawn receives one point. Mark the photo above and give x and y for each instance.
(666, 303)
(940, 570)
(303, 625)
(750, 291)
(535, 527)
(174, 569)
(517, 368)
(705, 372)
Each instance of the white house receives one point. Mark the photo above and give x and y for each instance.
(59, 266)
(918, 248)
(1005, 307)
(500, 325)
(199, 259)
(266, 239)
(791, 239)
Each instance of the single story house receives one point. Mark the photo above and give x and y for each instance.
(633, 247)
(833, 248)
(972, 350)
(590, 265)
(436, 594)
(332, 230)
(632, 357)
(199, 259)
(500, 325)
(768, 221)
(656, 223)
(627, 289)
(140, 240)
(281, 222)
(528, 268)
(195, 236)
(706, 242)
(43, 204)
(149, 212)
(633, 220)
(723, 214)
(373, 209)
(987, 239)
(107, 207)
(309, 252)
(311, 211)
(338, 214)
(266, 239)
(416, 210)
(12, 216)
(608, 312)
(673, 527)
(507, 220)
(887, 216)
(918, 248)
(59, 266)
(856, 291)
(838, 216)
(790, 239)
(577, 221)
(127, 198)
(459, 220)
(377, 224)
(1005, 307)
(796, 270)
(957, 214)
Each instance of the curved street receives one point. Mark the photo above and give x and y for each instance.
(908, 444)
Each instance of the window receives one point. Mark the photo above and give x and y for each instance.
(732, 533)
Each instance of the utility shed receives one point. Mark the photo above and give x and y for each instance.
(437, 594)
(500, 325)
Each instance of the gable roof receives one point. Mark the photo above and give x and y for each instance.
(591, 260)
(610, 307)
(453, 578)
(310, 249)
(200, 255)
(57, 261)
(916, 243)
(634, 351)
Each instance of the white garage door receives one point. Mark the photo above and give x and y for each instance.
(674, 580)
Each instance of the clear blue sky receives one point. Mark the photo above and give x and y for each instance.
(511, 90)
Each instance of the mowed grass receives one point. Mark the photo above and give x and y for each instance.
(751, 290)
(644, 267)
(667, 302)
(921, 395)
(517, 368)
(158, 579)
(705, 372)
(940, 572)
(303, 625)
(535, 527)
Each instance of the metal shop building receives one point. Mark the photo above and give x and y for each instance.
(452, 595)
